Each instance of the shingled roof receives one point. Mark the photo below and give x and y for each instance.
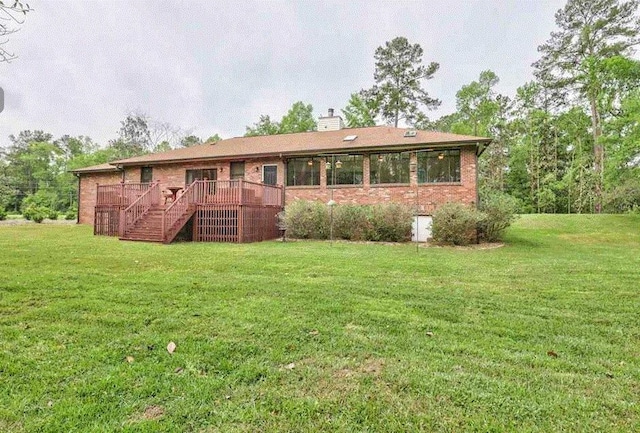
(308, 143)
(96, 168)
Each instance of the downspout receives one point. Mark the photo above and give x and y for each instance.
(78, 197)
(285, 163)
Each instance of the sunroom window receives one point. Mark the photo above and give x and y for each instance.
(389, 168)
(344, 169)
(439, 166)
(303, 171)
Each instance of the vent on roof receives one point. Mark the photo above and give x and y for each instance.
(350, 138)
(410, 133)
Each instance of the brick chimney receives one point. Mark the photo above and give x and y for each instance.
(330, 122)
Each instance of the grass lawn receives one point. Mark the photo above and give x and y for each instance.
(540, 335)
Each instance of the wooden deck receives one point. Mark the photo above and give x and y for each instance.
(220, 211)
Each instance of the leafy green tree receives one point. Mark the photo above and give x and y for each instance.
(299, 118)
(133, 137)
(589, 31)
(265, 126)
(478, 105)
(361, 111)
(163, 146)
(481, 111)
(398, 75)
(622, 172)
(190, 140)
(213, 139)
(32, 160)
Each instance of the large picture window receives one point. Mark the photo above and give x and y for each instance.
(439, 166)
(200, 174)
(303, 171)
(389, 168)
(344, 170)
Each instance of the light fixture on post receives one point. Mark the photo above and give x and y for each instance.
(310, 162)
(327, 165)
(380, 158)
(441, 155)
(338, 164)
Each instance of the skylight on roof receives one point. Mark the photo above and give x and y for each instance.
(410, 133)
(350, 138)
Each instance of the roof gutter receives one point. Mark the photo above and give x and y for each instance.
(393, 147)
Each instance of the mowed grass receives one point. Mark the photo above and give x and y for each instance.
(542, 334)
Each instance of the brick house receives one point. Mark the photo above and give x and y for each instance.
(380, 164)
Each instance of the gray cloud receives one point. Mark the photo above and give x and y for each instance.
(214, 67)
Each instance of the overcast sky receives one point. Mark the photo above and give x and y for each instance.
(214, 67)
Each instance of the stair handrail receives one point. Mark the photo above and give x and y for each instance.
(140, 206)
(179, 207)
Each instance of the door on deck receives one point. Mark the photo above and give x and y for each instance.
(270, 174)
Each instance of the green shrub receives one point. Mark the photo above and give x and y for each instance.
(455, 223)
(352, 222)
(42, 199)
(498, 212)
(623, 198)
(3, 214)
(52, 214)
(35, 213)
(71, 214)
(385, 222)
(391, 223)
(307, 220)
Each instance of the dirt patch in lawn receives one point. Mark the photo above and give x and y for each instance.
(151, 413)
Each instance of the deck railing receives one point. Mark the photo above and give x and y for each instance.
(120, 194)
(237, 191)
(218, 192)
(178, 208)
(132, 213)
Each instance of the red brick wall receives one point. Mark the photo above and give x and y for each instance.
(174, 174)
(429, 197)
(88, 192)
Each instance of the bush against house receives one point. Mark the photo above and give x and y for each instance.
(458, 224)
(383, 222)
(498, 211)
(455, 223)
(307, 220)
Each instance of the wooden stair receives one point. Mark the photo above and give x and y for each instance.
(148, 228)
(177, 226)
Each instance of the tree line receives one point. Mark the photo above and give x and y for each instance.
(566, 142)
(36, 166)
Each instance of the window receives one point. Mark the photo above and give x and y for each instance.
(389, 168)
(146, 175)
(439, 166)
(201, 173)
(344, 170)
(303, 171)
(237, 170)
(270, 174)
